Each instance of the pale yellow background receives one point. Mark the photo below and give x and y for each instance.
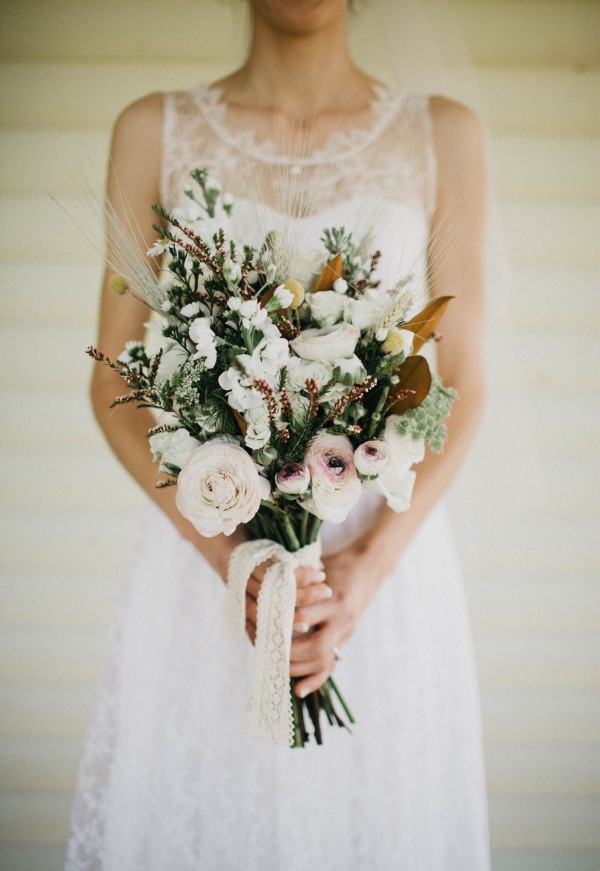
(68, 512)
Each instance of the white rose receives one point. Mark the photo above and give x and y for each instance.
(203, 337)
(326, 307)
(372, 457)
(336, 487)
(172, 448)
(327, 344)
(218, 488)
(299, 370)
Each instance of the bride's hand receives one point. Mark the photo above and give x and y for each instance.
(353, 580)
(310, 589)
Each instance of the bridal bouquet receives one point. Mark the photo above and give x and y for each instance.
(283, 396)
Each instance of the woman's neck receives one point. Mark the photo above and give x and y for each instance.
(301, 74)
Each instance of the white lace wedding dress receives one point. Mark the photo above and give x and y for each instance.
(169, 781)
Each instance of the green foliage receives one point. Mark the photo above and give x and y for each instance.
(425, 421)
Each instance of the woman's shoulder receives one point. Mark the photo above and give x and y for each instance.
(454, 121)
(142, 116)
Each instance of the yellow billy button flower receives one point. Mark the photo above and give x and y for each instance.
(297, 291)
(398, 341)
(118, 284)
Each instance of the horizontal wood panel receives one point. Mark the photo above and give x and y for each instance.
(58, 96)
(540, 715)
(69, 539)
(545, 823)
(544, 168)
(530, 32)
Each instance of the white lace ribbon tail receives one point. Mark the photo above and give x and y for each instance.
(269, 705)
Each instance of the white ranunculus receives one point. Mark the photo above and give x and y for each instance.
(218, 488)
(397, 479)
(327, 344)
(372, 457)
(173, 357)
(203, 337)
(299, 370)
(258, 431)
(172, 448)
(336, 487)
(326, 307)
(293, 479)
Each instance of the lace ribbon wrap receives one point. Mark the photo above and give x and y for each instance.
(269, 703)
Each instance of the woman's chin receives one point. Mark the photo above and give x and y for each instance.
(299, 17)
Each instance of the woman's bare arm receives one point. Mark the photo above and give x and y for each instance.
(133, 175)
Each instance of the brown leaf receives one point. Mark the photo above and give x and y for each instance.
(240, 422)
(331, 272)
(424, 323)
(415, 376)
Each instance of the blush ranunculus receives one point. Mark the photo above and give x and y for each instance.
(336, 487)
(372, 457)
(293, 479)
(218, 488)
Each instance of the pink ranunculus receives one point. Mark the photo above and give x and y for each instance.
(218, 488)
(293, 479)
(372, 457)
(336, 487)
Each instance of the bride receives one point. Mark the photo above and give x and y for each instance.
(169, 781)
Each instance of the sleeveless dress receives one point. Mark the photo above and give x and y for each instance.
(169, 781)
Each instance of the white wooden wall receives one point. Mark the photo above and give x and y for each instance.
(67, 511)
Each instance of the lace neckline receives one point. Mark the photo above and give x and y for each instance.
(337, 146)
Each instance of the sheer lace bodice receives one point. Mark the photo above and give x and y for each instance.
(390, 151)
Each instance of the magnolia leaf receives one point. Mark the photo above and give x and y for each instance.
(423, 324)
(240, 422)
(332, 271)
(413, 386)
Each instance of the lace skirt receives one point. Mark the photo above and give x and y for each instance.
(169, 781)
